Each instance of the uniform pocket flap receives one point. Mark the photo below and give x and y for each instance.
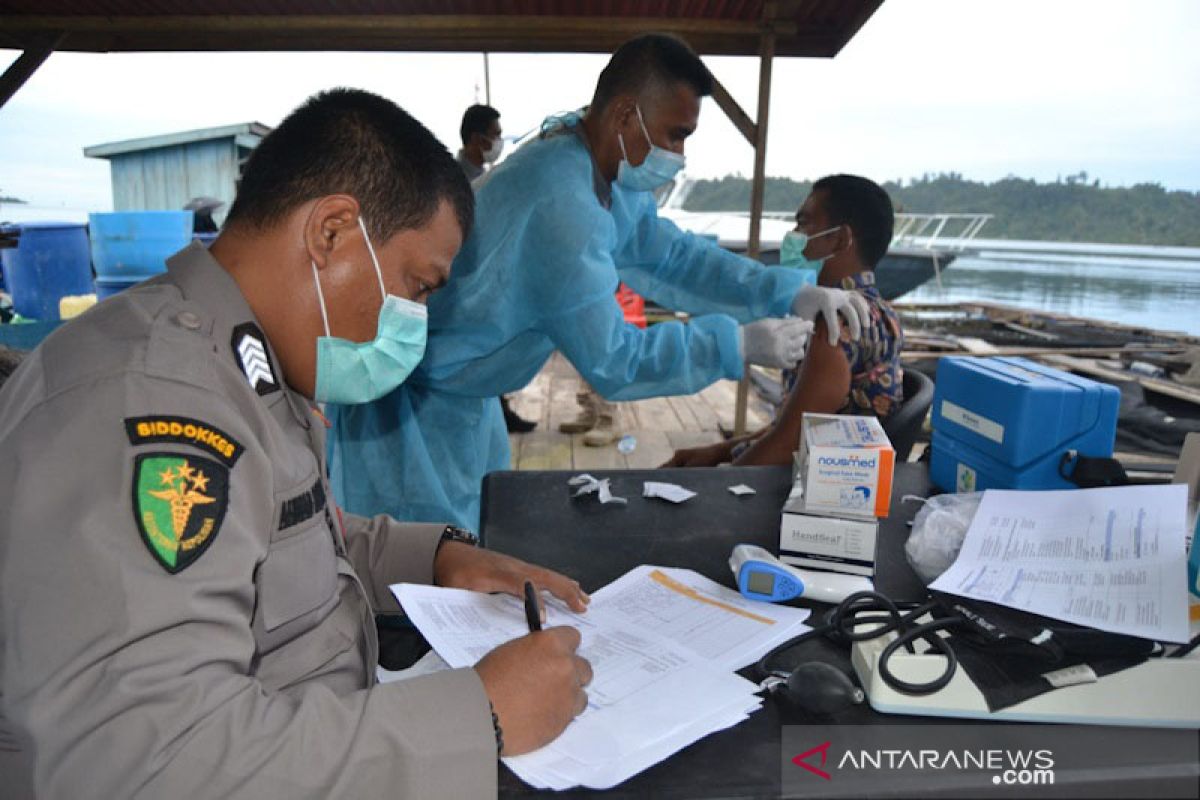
(298, 576)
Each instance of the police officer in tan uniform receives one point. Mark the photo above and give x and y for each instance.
(185, 613)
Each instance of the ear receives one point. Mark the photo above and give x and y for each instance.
(331, 222)
(846, 239)
(624, 109)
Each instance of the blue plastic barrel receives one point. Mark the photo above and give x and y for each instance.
(134, 245)
(49, 263)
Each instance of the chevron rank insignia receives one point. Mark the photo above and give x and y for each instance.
(250, 350)
(179, 504)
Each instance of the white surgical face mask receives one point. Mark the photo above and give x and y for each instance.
(359, 372)
(658, 169)
(791, 249)
(492, 153)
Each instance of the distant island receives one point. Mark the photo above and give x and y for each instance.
(1071, 209)
(13, 200)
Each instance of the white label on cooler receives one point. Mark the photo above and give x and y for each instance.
(971, 421)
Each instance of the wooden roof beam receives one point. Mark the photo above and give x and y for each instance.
(740, 119)
(428, 23)
(397, 32)
(25, 65)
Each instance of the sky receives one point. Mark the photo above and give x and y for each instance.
(987, 88)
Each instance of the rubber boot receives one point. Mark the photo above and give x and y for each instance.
(513, 421)
(587, 415)
(606, 431)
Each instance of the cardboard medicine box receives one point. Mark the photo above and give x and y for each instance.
(844, 467)
(829, 543)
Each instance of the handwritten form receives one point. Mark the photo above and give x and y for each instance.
(1110, 558)
(663, 644)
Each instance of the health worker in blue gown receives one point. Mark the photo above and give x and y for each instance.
(558, 225)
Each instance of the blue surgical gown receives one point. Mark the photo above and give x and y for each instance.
(538, 273)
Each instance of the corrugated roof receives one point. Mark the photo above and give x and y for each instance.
(256, 130)
(717, 27)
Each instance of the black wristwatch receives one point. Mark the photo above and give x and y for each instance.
(453, 533)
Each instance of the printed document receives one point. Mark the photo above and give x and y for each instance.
(663, 644)
(1110, 558)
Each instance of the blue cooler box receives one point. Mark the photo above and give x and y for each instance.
(1004, 423)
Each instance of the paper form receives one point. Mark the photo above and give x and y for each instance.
(465, 626)
(662, 643)
(1111, 558)
(714, 623)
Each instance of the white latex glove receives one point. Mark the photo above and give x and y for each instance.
(813, 301)
(778, 343)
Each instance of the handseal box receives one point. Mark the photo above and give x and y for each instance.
(830, 543)
(844, 466)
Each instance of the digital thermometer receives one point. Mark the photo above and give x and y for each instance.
(762, 576)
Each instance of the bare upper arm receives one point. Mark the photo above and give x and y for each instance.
(822, 387)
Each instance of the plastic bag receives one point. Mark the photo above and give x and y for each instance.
(938, 531)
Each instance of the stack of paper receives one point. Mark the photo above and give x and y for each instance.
(663, 644)
(1111, 558)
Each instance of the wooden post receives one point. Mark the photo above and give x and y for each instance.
(766, 56)
(487, 81)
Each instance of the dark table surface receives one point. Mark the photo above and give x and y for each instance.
(532, 515)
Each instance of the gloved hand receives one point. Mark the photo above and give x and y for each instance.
(778, 343)
(813, 301)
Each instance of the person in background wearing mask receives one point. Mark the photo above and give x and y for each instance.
(184, 612)
(843, 229)
(482, 144)
(560, 222)
(482, 140)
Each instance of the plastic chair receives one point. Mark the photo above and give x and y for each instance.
(904, 426)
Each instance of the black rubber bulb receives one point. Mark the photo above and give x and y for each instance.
(822, 688)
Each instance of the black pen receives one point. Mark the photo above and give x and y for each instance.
(531, 608)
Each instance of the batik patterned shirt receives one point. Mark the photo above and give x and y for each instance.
(876, 378)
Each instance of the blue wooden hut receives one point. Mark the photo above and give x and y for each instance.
(165, 172)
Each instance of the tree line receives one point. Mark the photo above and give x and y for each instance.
(1071, 209)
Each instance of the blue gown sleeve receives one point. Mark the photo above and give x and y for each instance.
(578, 311)
(624, 362)
(685, 272)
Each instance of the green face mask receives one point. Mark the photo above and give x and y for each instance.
(791, 250)
(359, 372)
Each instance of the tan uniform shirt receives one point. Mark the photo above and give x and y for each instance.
(183, 613)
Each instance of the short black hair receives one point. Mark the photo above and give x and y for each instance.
(477, 119)
(863, 205)
(347, 141)
(649, 58)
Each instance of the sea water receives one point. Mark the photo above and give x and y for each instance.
(1159, 294)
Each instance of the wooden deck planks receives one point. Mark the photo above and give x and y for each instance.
(660, 425)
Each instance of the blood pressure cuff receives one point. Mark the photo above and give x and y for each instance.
(1013, 655)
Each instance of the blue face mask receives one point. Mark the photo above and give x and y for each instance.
(659, 167)
(353, 372)
(791, 250)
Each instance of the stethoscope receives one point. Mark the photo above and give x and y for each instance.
(823, 688)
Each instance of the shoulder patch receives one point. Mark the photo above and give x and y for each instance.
(179, 503)
(250, 350)
(184, 430)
